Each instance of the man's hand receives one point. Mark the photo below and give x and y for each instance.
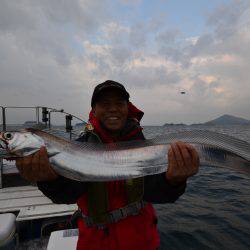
(36, 167)
(183, 162)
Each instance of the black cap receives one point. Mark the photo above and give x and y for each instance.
(106, 85)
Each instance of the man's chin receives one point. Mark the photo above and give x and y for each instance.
(113, 127)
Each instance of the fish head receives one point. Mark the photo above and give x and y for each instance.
(19, 144)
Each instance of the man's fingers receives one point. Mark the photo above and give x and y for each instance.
(45, 168)
(47, 172)
(43, 151)
(36, 167)
(177, 155)
(44, 155)
(170, 158)
(183, 162)
(23, 163)
(185, 154)
(19, 165)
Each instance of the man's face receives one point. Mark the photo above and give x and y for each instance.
(111, 109)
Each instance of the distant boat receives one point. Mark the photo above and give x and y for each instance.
(30, 123)
(183, 92)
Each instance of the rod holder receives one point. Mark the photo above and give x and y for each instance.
(45, 114)
(69, 127)
(4, 118)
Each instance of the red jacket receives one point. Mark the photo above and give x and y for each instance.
(132, 233)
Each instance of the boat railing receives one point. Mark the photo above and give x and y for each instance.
(1, 173)
(43, 120)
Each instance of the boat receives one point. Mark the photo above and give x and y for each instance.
(27, 217)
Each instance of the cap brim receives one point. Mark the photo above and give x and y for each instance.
(103, 88)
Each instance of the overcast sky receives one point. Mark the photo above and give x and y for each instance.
(54, 52)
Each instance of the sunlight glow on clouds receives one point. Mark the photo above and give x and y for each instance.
(55, 53)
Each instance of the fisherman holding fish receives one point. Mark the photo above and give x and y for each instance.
(115, 214)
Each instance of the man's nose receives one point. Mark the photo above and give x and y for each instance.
(112, 107)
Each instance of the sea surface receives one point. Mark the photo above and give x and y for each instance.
(214, 212)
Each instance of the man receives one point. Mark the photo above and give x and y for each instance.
(115, 214)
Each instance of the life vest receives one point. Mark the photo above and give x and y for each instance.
(133, 232)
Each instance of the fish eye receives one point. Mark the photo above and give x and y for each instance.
(8, 136)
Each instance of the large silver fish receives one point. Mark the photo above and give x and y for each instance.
(125, 160)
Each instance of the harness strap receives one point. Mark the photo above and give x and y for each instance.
(116, 215)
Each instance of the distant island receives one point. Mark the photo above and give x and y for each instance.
(222, 120)
(175, 124)
(228, 120)
(80, 124)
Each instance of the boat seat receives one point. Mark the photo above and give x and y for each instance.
(7, 230)
(63, 239)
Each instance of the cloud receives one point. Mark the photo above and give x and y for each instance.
(221, 54)
(168, 37)
(54, 52)
(131, 2)
(138, 36)
(41, 61)
(47, 26)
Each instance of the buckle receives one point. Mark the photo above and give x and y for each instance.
(134, 209)
(90, 223)
(116, 215)
(100, 226)
(123, 213)
(88, 220)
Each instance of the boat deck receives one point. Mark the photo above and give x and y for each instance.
(31, 204)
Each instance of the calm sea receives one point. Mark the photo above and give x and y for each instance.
(214, 212)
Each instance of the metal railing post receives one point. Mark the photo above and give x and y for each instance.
(4, 118)
(37, 115)
(1, 160)
(49, 119)
(1, 173)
